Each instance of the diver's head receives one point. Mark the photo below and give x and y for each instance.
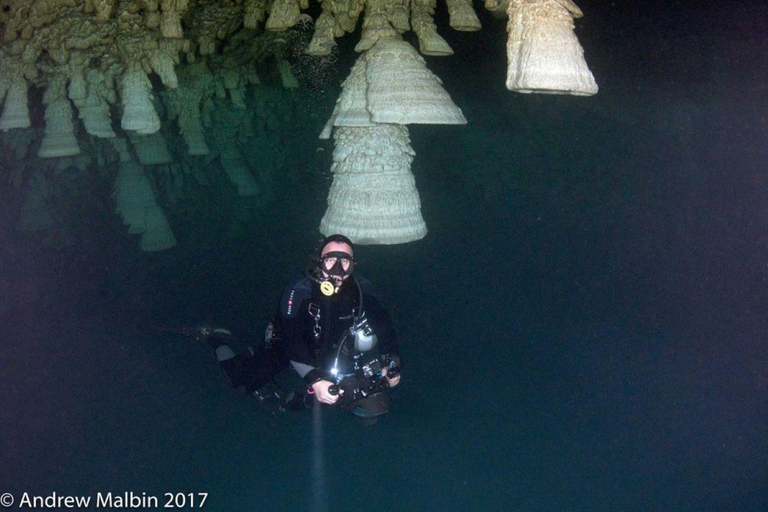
(336, 261)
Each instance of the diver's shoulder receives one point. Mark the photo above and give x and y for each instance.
(295, 291)
(365, 285)
(298, 281)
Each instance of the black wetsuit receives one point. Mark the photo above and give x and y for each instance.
(314, 343)
(304, 311)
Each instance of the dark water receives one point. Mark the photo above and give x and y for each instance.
(583, 329)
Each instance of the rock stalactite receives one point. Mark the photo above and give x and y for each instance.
(84, 77)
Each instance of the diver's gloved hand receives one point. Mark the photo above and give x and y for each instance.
(198, 333)
(217, 337)
(323, 393)
(395, 380)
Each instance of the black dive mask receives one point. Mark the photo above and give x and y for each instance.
(337, 264)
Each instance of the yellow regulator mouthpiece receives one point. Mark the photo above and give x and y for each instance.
(327, 288)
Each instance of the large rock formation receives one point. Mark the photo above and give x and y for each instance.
(75, 74)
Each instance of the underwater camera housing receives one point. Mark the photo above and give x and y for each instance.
(365, 394)
(367, 379)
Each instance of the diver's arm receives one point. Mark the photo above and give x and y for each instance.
(293, 339)
(293, 320)
(301, 368)
(382, 325)
(379, 319)
(315, 382)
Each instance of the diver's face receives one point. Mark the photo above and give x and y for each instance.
(336, 262)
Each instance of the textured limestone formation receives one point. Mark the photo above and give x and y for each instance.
(103, 9)
(232, 81)
(163, 60)
(287, 77)
(151, 149)
(352, 105)
(402, 90)
(13, 86)
(254, 12)
(171, 20)
(59, 139)
(195, 85)
(158, 235)
(430, 42)
(16, 109)
(233, 124)
(237, 170)
(94, 109)
(373, 197)
(346, 12)
(386, 18)
(111, 59)
(376, 24)
(324, 37)
(285, 13)
(16, 144)
(399, 15)
(463, 16)
(154, 35)
(133, 196)
(139, 114)
(391, 84)
(542, 49)
(78, 88)
(137, 204)
(497, 7)
(211, 25)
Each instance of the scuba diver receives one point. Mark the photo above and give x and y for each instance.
(331, 330)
